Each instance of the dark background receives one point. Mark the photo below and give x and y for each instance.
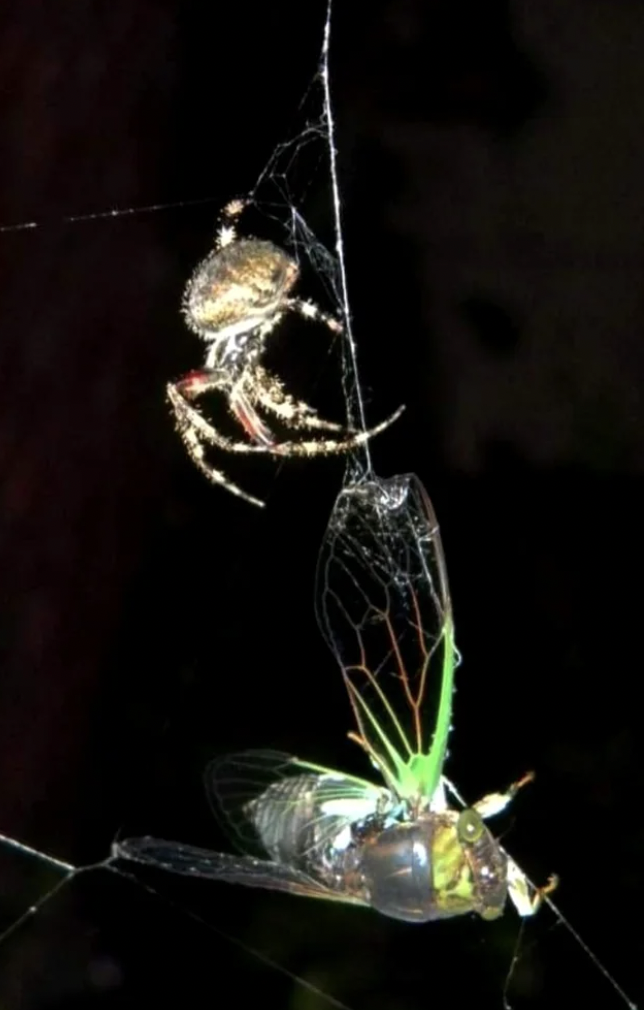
(491, 158)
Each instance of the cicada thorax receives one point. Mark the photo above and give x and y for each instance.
(426, 869)
(433, 867)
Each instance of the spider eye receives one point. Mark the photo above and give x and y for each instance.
(469, 826)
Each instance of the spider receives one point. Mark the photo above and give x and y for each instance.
(235, 298)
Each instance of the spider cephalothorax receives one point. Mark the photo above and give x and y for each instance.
(234, 299)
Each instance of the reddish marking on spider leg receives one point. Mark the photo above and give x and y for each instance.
(194, 383)
(250, 420)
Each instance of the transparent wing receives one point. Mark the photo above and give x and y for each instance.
(383, 606)
(271, 802)
(236, 780)
(205, 865)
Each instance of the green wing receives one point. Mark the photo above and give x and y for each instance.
(383, 606)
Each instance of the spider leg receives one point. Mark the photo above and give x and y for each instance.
(331, 447)
(250, 420)
(309, 310)
(188, 417)
(227, 231)
(193, 428)
(202, 380)
(206, 380)
(272, 396)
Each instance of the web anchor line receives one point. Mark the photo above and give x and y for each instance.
(359, 460)
(114, 212)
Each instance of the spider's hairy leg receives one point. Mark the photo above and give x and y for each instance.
(201, 380)
(206, 380)
(227, 231)
(251, 422)
(332, 447)
(195, 431)
(272, 396)
(189, 417)
(309, 310)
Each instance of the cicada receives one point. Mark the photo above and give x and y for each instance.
(407, 847)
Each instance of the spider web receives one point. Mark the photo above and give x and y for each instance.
(330, 266)
(301, 171)
(280, 194)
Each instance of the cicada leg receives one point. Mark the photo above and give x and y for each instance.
(494, 803)
(526, 898)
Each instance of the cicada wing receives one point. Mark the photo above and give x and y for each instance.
(275, 804)
(190, 861)
(235, 782)
(383, 606)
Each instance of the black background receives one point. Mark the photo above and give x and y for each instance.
(149, 621)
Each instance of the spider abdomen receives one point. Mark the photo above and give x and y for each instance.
(237, 288)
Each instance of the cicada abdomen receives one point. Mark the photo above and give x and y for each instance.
(294, 825)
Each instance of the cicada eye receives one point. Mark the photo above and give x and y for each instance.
(469, 826)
